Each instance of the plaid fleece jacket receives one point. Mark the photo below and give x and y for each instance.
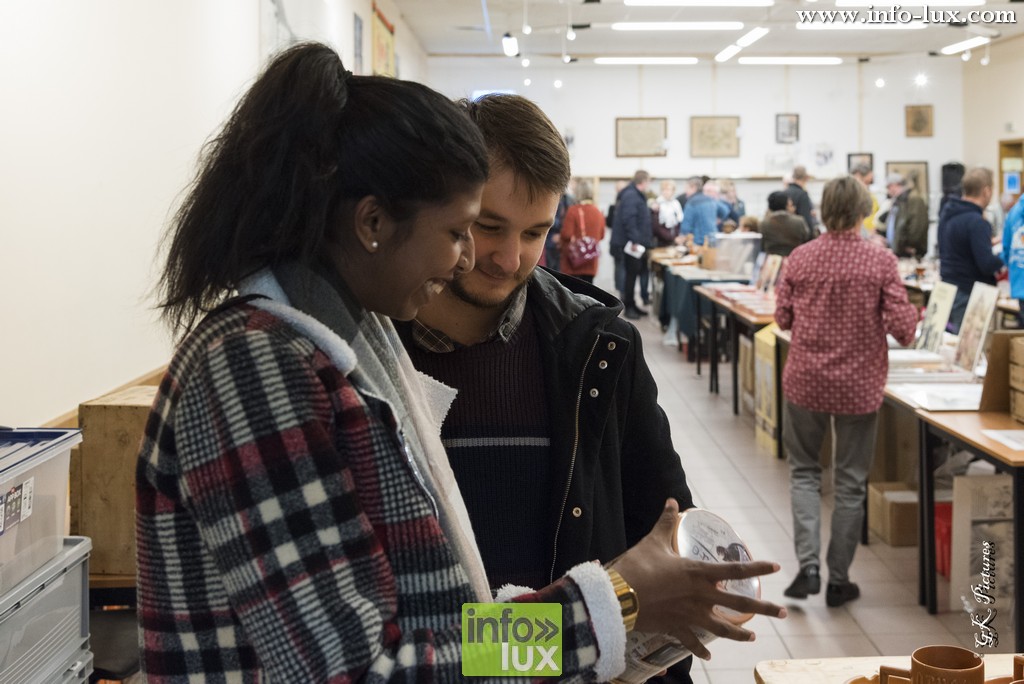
(282, 534)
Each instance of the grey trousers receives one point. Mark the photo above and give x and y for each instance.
(803, 432)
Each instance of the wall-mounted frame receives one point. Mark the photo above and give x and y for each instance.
(787, 128)
(714, 136)
(383, 37)
(916, 174)
(919, 120)
(641, 136)
(857, 158)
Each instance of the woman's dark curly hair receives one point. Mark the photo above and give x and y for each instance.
(307, 141)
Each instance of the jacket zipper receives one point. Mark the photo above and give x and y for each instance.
(572, 460)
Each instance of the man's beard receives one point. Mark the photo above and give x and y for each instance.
(456, 288)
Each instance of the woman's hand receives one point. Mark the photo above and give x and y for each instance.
(678, 594)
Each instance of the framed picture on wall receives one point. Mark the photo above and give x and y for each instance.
(641, 137)
(787, 128)
(714, 136)
(857, 158)
(357, 44)
(916, 174)
(919, 120)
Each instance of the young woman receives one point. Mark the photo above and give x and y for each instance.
(297, 520)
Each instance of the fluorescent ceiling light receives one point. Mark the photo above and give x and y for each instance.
(677, 26)
(909, 3)
(510, 45)
(752, 36)
(728, 53)
(977, 41)
(662, 61)
(861, 26)
(791, 61)
(699, 3)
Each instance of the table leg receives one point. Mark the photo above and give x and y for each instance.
(735, 365)
(778, 400)
(713, 351)
(695, 342)
(926, 519)
(1018, 558)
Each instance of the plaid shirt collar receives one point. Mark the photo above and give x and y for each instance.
(433, 340)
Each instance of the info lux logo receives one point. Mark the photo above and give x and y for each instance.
(512, 639)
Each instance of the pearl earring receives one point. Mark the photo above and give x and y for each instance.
(374, 245)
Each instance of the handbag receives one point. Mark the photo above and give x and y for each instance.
(583, 250)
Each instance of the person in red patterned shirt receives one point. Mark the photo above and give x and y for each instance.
(839, 295)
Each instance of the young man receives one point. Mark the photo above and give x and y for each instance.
(556, 437)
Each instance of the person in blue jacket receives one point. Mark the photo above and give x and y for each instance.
(1013, 248)
(965, 242)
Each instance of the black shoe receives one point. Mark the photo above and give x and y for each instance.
(807, 581)
(633, 314)
(838, 594)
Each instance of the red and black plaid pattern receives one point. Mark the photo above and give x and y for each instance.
(282, 533)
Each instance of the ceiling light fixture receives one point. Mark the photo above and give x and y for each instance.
(527, 29)
(986, 58)
(879, 82)
(965, 55)
(921, 80)
(526, 62)
(728, 53)
(558, 83)
(570, 33)
(878, 26)
(977, 41)
(699, 3)
(509, 45)
(527, 81)
(791, 61)
(653, 61)
(752, 36)
(677, 26)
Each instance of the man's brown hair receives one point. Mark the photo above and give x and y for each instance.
(844, 204)
(976, 180)
(521, 138)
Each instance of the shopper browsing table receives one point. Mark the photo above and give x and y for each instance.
(840, 295)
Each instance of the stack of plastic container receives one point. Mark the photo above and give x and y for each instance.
(44, 576)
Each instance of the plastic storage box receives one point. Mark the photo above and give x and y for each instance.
(44, 621)
(33, 499)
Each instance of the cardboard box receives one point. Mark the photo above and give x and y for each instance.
(1017, 404)
(892, 512)
(112, 429)
(1016, 376)
(1017, 351)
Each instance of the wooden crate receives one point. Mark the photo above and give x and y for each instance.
(1017, 376)
(1017, 404)
(103, 488)
(1017, 350)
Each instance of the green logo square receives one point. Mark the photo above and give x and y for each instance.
(511, 639)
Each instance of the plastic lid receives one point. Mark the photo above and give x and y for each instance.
(704, 536)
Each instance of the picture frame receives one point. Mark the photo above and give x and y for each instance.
(916, 173)
(714, 136)
(855, 158)
(975, 326)
(357, 44)
(919, 121)
(383, 38)
(641, 136)
(982, 512)
(787, 128)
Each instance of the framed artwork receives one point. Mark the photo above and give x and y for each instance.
(383, 44)
(856, 158)
(975, 326)
(787, 128)
(916, 174)
(714, 136)
(982, 535)
(357, 44)
(919, 120)
(641, 137)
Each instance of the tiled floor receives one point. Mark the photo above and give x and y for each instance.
(750, 488)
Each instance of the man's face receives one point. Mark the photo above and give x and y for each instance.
(509, 239)
(893, 189)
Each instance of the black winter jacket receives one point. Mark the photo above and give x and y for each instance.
(614, 464)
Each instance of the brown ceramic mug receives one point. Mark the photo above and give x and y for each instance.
(938, 665)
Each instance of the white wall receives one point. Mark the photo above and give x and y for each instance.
(106, 105)
(993, 103)
(841, 111)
